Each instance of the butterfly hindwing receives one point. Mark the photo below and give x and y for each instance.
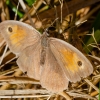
(52, 76)
(29, 61)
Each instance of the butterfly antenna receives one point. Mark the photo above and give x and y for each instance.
(40, 18)
(52, 23)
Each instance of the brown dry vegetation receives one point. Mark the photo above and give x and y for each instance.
(73, 19)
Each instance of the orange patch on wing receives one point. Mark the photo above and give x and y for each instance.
(70, 58)
(17, 35)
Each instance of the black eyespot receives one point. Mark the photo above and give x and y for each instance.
(25, 72)
(79, 63)
(10, 29)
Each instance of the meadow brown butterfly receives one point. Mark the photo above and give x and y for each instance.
(50, 60)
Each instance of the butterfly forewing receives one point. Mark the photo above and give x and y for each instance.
(18, 35)
(71, 60)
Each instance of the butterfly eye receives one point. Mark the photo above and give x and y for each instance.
(10, 29)
(79, 63)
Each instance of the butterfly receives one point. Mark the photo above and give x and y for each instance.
(52, 61)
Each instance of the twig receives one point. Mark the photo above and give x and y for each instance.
(88, 15)
(92, 85)
(1, 59)
(72, 7)
(23, 92)
(25, 96)
(64, 94)
(18, 79)
(33, 9)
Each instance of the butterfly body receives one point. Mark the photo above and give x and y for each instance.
(44, 45)
(52, 61)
